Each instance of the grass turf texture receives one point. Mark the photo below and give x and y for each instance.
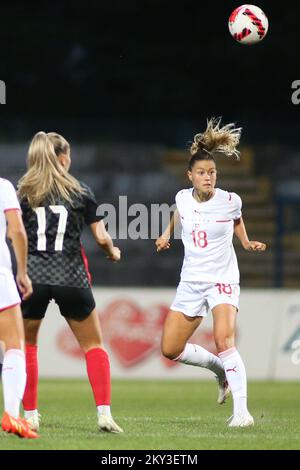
(163, 415)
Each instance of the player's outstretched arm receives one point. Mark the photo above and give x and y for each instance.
(241, 233)
(163, 242)
(104, 240)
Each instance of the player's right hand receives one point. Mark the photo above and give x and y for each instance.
(255, 246)
(115, 255)
(162, 243)
(24, 285)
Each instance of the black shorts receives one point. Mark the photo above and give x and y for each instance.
(74, 302)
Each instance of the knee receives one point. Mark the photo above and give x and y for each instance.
(224, 342)
(171, 352)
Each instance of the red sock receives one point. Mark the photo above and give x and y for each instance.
(98, 369)
(31, 389)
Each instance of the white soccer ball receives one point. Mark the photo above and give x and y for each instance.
(248, 24)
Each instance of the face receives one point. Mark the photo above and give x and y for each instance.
(203, 176)
(65, 160)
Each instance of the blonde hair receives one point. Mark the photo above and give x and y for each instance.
(46, 178)
(217, 139)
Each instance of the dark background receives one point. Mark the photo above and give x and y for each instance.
(147, 73)
(165, 63)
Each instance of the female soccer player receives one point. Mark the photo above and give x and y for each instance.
(210, 274)
(55, 208)
(11, 325)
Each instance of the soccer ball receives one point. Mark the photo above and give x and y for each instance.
(248, 24)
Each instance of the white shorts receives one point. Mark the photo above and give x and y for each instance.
(9, 296)
(195, 299)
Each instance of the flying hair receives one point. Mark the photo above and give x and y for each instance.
(217, 139)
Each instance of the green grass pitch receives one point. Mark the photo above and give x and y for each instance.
(164, 415)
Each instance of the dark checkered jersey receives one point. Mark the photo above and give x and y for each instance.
(55, 253)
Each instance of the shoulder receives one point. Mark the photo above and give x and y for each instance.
(236, 199)
(85, 196)
(8, 196)
(229, 197)
(7, 188)
(84, 185)
(5, 184)
(183, 194)
(88, 192)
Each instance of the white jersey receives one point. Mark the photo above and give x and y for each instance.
(8, 201)
(207, 232)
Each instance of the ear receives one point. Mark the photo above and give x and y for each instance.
(62, 160)
(189, 173)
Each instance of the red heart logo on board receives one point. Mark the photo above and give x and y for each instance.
(131, 332)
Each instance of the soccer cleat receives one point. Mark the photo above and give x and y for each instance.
(241, 421)
(107, 424)
(17, 426)
(224, 389)
(33, 420)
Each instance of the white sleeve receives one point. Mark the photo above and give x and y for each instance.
(178, 201)
(9, 199)
(236, 206)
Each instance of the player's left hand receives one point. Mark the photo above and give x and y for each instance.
(255, 246)
(115, 254)
(24, 285)
(162, 243)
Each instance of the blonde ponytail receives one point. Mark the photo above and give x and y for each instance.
(46, 178)
(216, 139)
